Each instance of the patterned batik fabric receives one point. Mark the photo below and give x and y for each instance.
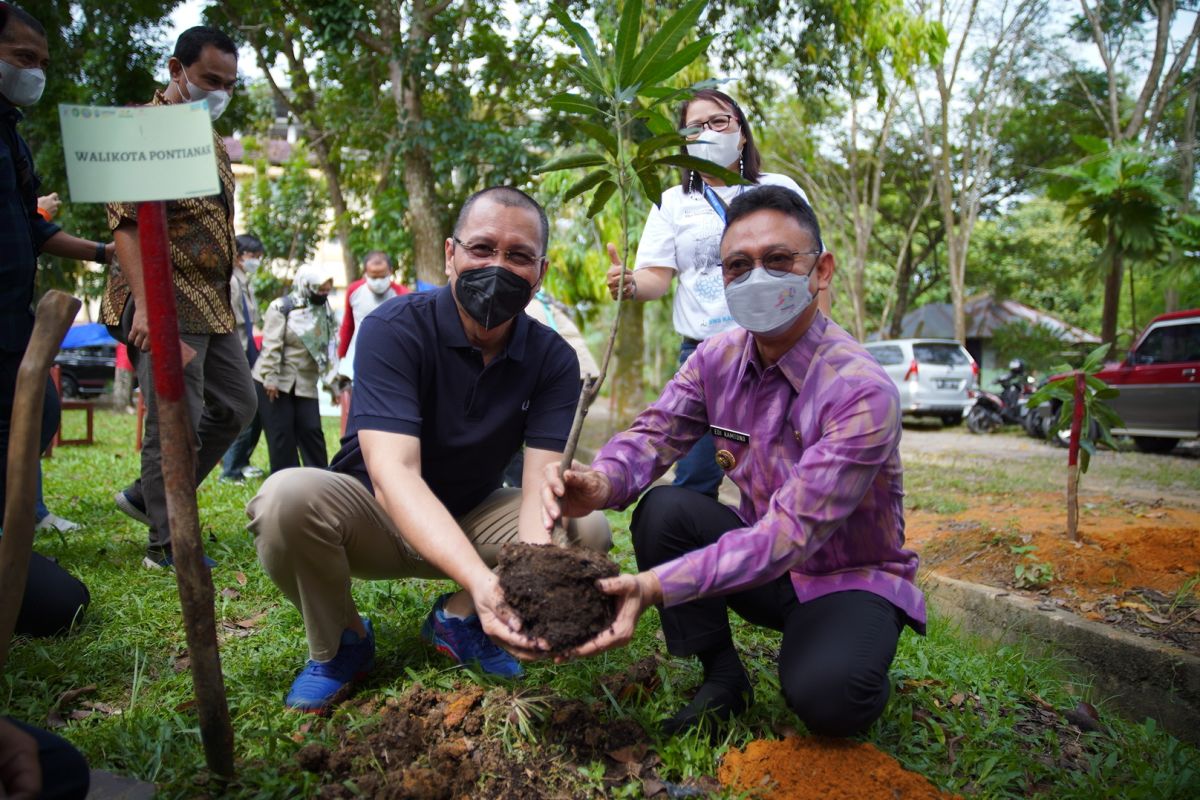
(202, 253)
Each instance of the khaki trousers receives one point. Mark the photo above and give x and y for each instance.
(315, 530)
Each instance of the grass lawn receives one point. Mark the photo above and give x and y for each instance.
(971, 717)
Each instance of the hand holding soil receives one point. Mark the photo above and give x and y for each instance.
(634, 593)
(502, 623)
(578, 492)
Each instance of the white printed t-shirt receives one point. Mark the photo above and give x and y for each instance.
(684, 233)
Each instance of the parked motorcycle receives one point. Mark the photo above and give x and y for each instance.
(988, 410)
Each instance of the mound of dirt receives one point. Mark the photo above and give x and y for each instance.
(1137, 566)
(553, 589)
(813, 768)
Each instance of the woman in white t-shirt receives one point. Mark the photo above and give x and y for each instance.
(682, 239)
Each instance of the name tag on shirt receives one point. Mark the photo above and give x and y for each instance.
(731, 435)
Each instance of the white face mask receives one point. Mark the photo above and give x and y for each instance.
(722, 149)
(379, 285)
(21, 87)
(251, 264)
(218, 99)
(763, 303)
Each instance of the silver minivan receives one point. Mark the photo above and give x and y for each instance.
(935, 376)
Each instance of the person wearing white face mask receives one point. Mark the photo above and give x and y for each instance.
(808, 426)
(235, 465)
(220, 394)
(681, 240)
(366, 294)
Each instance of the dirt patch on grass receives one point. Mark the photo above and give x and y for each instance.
(472, 742)
(812, 768)
(1137, 566)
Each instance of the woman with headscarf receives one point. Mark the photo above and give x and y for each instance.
(297, 357)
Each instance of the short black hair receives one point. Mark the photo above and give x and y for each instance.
(751, 160)
(377, 255)
(775, 198)
(506, 196)
(10, 12)
(193, 41)
(248, 243)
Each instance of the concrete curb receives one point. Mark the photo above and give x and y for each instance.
(1138, 677)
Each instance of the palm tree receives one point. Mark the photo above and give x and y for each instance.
(1119, 197)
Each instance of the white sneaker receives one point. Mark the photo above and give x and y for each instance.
(55, 522)
(252, 472)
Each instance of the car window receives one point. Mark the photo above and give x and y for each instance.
(941, 353)
(887, 355)
(1170, 344)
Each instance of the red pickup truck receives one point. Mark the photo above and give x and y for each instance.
(1160, 384)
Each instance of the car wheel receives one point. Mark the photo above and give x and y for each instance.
(981, 421)
(952, 420)
(70, 386)
(1154, 444)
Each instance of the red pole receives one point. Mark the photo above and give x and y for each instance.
(1073, 460)
(193, 579)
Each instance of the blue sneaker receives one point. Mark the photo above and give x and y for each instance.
(161, 558)
(319, 686)
(464, 641)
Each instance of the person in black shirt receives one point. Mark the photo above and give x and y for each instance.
(448, 386)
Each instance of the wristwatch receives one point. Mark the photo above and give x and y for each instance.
(101, 253)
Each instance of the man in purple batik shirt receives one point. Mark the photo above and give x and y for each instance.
(808, 427)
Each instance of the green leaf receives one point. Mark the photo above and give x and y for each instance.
(663, 95)
(1107, 393)
(586, 183)
(651, 184)
(573, 161)
(662, 45)
(600, 198)
(582, 39)
(569, 103)
(627, 39)
(658, 142)
(677, 62)
(588, 80)
(656, 121)
(1095, 359)
(703, 167)
(601, 134)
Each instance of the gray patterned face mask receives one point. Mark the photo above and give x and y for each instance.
(767, 304)
(21, 87)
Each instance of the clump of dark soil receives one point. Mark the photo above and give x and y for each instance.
(468, 743)
(553, 590)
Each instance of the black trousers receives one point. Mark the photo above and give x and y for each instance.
(53, 598)
(293, 428)
(836, 649)
(65, 774)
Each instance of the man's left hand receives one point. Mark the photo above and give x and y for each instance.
(501, 622)
(634, 593)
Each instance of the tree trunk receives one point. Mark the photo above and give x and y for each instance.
(424, 215)
(122, 394)
(1112, 295)
(627, 389)
(341, 224)
(903, 285)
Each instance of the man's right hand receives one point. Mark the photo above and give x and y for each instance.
(613, 276)
(271, 391)
(500, 621)
(20, 773)
(139, 330)
(577, 493)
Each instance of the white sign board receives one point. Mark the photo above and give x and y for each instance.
(139, 153)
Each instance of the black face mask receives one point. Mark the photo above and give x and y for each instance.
(492, 295)
(317, 299)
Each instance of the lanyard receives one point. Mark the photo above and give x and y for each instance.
(718, 205)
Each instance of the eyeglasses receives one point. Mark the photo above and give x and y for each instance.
(717, 123)
(777, 263)
(518, 258)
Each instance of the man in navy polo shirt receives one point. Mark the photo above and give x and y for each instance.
(448, 386)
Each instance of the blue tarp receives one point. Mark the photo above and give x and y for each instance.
(90, 334)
